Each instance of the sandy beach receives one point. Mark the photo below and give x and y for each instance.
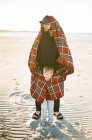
(16, 105)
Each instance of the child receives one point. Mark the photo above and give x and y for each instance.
(47, 104)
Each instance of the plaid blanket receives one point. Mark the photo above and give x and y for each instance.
(55, 86)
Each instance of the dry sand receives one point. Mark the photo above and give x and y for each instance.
(16, 105)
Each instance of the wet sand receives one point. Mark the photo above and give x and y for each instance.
(16, 105)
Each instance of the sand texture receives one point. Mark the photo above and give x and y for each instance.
(16, 105)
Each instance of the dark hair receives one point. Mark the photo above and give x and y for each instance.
(43, 31)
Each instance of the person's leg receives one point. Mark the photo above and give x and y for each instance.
(56, 109)
(50, 105)
(43, 112)
(56, 105)
(37, 114)
(38, 106)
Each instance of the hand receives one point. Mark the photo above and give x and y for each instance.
(48, 73)
(47, 78)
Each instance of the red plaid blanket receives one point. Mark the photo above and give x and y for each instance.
(55, 86)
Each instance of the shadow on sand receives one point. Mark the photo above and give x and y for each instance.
(62, 130)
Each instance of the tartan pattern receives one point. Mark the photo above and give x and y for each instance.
(39, 88)
(65, 60)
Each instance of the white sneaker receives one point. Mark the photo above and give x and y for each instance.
(51, 124)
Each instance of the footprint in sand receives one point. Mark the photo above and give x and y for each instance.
(81, 129)
(17, 83)
(66, 89)
(16, 88)
(78, 75)
(14, 79)
(19, 97)
(15, 97)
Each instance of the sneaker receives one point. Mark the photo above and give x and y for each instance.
(51, 124)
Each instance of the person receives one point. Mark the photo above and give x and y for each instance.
(47, 104)
(49, 49)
